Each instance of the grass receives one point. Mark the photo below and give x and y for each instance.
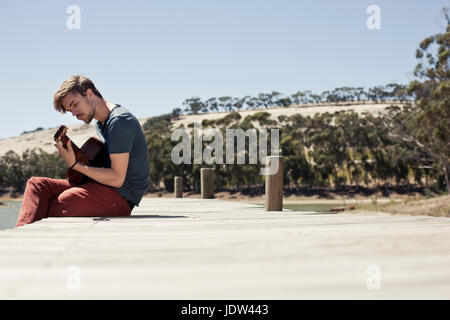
(433, 206)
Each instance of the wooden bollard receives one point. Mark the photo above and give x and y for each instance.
(178, 187)
(274, 184)
(207, 183)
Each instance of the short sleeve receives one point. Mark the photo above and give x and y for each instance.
(121, 134)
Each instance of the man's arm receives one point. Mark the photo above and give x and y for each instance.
(114, 176)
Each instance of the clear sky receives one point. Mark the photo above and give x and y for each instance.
(150, 56)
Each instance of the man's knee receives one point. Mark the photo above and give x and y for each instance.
(36, 182)
(33, 180)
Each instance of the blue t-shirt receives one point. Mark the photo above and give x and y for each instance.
(122, 133)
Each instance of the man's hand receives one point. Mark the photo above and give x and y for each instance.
(113, 176)
(67, 154)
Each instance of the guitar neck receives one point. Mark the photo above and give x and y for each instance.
(61, 136)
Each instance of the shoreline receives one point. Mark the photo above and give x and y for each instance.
(333, 198)
(395, 204)
(292, 198)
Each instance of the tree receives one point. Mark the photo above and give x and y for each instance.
(212, 104)
(13, 175)
(226, 103)
(176, 112)
(427, 122)
(194, 105)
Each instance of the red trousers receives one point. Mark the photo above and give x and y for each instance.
(46, 197)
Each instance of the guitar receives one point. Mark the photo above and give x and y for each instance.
(92, 153)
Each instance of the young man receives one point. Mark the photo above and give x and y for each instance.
(118, 187)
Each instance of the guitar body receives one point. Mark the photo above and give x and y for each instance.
(92, 153)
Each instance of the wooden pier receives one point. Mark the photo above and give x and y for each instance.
(181, 248)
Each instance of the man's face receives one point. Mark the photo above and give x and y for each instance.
(80, 106)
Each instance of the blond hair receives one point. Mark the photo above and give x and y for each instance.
(76, 83)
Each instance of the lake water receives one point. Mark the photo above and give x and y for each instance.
(9, 213)
(316, 207)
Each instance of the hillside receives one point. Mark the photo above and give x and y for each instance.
(79, 133)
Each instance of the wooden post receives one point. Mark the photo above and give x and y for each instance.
(178, 187)
(207, 183)
(274, 184)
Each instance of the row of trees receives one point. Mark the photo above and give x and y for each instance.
(16, 169)
(390, 92)
(326, 150)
